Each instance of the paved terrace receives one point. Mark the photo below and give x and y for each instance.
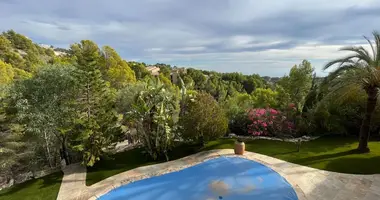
(309, 183)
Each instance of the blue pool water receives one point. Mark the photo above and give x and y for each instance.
(227, 178)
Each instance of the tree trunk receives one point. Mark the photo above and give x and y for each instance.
(48, 149)
(88, 102)
(366, 123)
(65, 154)
(202, 140)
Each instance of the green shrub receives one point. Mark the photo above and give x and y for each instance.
(204, 119)
(236, 110)
(153, 113)
(238, 124)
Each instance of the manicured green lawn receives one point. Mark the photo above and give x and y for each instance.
(127, 160)
(329, 153)
(332, 154)
(45, 188)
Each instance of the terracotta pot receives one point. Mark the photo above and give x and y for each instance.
(239, 148)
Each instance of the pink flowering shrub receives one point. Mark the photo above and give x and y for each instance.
(268, 122)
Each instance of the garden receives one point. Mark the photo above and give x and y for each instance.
(76, 108)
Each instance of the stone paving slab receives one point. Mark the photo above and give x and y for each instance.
(309, 183)
(73, 184)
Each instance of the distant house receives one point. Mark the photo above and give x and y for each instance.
(60, 53)
(45, 46)
(155, 71)
(177, 72)
(271, 80)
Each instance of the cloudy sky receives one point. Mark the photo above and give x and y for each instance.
(249, 36)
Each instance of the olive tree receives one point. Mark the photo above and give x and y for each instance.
(46, 106)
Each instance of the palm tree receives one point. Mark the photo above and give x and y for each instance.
(360, 70)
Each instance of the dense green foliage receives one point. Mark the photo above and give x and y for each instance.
(45, 105)
(22, 53)
(154, 114)
(204, 119)
(97, 125)
(6, 73)
(139, 69)
(116, 70)
(298, 83)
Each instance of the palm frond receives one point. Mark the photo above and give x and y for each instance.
(356, 73)
(341, 70)
(372, 48)
(361, 54)
(376, 35)
(341, 61)
(352, 78)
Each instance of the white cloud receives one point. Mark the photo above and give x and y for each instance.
(185, 49)
(224, 35)
(153, 49)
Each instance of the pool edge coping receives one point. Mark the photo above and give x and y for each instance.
(107, 185)
(308, 183)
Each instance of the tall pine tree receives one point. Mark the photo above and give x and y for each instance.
(98, 122)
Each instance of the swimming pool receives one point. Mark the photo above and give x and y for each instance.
(227, 178)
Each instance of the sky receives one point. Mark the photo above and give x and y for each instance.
(247, 36)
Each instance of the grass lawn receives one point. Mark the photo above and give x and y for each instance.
(45, 188)
(328, 153)
(127, 160)
(331, 154)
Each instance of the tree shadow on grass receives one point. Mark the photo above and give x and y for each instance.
(220, 144)
(285, 153)
(352, 162)
(355, 165)
(34, 184)
(313, 159)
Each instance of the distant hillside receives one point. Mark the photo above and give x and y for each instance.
(22, 54)
(25, 57)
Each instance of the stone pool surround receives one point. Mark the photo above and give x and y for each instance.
(309, 183)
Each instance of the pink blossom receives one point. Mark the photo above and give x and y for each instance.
(268, 121)
(273, 111)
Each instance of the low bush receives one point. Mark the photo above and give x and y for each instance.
(269, 122)
(204, 119)
(238, 124)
